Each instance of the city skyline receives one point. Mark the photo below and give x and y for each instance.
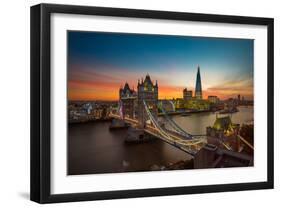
(100, 63)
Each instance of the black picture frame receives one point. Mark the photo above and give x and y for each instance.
(41, 96)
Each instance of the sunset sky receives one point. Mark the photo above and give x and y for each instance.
(100, 63)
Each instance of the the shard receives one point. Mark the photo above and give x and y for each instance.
(198, 86)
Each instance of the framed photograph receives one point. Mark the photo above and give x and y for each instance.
(133, 103)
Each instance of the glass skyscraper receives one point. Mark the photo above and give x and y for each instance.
(198, 86)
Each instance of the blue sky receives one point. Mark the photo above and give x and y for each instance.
(226, 64)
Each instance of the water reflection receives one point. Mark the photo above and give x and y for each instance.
(93, 148)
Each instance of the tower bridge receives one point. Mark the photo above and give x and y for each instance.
(176, 136)
(145, 116)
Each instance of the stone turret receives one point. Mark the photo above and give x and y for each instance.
(148, 92)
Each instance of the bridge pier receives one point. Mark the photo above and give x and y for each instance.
(118, 124)
(136, 135)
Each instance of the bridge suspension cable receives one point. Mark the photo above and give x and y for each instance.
(187, 144)
(155, 123)
(174, 125)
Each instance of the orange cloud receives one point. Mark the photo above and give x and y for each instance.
(98, 90)
(84, 83)
(232, 88)
(169, 92)
(91, 95)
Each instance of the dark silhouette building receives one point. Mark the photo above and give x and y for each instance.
(198, 86)
(210, 156)
(187, 94)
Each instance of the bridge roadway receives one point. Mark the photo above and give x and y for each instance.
(190, 146)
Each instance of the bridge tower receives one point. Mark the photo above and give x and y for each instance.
(148, 92)
(128, 98)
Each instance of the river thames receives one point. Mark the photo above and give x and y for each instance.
(93, 148)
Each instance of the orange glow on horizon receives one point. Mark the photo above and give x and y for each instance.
(79, 91)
